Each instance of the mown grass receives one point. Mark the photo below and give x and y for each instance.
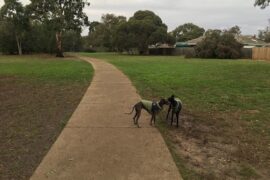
(38, 94)
(230, 96)
(46, 68)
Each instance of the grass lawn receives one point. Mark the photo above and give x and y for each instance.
(38, 94)
(225, 126)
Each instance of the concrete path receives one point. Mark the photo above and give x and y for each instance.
(100, 140)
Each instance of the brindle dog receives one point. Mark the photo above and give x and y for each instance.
(175, 107)
(155, 109)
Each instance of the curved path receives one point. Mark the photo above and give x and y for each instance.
(100, 140)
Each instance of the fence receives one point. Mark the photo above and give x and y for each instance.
(186, 51)
(261, 53)
(246, 53)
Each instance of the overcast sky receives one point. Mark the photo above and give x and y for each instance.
(206, 13)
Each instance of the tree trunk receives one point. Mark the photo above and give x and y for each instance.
(19, 45)
(59, 52)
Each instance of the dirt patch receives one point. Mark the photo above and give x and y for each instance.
(221, 147)
(32, 115)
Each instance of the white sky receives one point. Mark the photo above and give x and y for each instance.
(206, 13)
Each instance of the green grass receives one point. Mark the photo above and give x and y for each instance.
(230, 96)
(219, 85)
(38, 95)
(46, 68)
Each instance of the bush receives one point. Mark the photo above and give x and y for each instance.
(219, 44)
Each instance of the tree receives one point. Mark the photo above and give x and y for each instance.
(72, 41)
(61, 15)
(145, 28)
(110, 22)
(219, 44)
(187, 32)
(265, 35)
(262, 3)
(13, 13)
(93, 27)
(103, 34)
(235, 30)
(8, 43)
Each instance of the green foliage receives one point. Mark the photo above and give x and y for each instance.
(18, 32)
(236, 30)
(262, 3)
(115, 33)
(72, 41)
(143, 29)
(148, 29)
(61, 15)
(219, 44)
(93, 27)
(103, 34)
(13, 15)
(265, 35)
(187, 32)
(7, 38)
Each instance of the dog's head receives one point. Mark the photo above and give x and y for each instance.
(164, 101)
(171, 99)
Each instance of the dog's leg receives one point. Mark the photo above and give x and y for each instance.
(137, 120)
(154, 116)
(169, 110)
(177, 117)
(134, 118)
(172, 118)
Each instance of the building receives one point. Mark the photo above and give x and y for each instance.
(248, 41)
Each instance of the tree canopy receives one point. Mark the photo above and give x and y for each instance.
(146, 28)
(262, 3)
(61, 15)
(13, 15)
(265, 35)
(187, 32)
(115, 33)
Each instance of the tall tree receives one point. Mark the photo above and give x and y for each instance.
(236, 30)
(13, 13)
(8, 44)
(187, 32)
(110, 22)
(93, 26)
(262, 3)
(265, 35)
(146, 28)
(103, 34)
(62, 15)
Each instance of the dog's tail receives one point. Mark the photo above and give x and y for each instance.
(131, 111)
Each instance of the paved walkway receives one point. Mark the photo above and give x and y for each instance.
(100, 140)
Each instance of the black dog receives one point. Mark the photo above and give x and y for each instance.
(152, 108)
(175, 107)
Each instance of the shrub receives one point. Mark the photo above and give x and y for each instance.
(219, 44)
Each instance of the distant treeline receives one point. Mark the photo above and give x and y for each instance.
(39, 38)
(54, 26)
